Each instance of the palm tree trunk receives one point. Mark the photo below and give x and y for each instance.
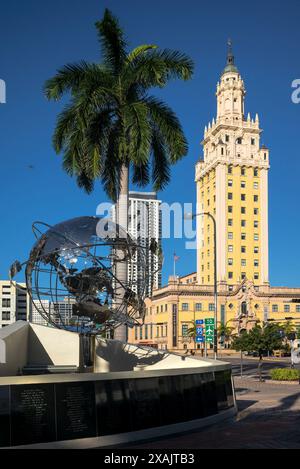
(122, 268)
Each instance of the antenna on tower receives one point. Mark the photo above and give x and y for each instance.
(230, 56)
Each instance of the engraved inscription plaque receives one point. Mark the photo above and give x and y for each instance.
(32, 414)
(76, 410)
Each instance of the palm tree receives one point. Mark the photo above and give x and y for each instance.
(112, 124)
(225, 331)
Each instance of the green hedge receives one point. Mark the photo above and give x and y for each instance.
(285, 374)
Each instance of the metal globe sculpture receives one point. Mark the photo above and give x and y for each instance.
(77, 262)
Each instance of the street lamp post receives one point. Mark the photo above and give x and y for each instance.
(191, 216)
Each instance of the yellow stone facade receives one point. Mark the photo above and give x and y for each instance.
(232, 185)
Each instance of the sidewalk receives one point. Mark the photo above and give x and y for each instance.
(269, 418)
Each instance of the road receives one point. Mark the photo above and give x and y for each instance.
(250, 365)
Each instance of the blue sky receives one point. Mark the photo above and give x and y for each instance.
(38, 37)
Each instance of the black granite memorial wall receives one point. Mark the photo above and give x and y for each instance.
(37, 413)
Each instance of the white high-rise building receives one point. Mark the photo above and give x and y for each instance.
(61, 312)
(144, 225)
(14, 302)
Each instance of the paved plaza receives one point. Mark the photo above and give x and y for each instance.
(269, 418)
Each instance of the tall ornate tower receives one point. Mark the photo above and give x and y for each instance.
(232, 184)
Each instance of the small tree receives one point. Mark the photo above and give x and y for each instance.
(260, 338)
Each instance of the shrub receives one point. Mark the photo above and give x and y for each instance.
(285, 374)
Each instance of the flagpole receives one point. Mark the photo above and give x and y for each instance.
(174, 265)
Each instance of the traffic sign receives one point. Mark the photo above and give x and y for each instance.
(200, 339)
(199, 331)
(209, 321)
(199, 322)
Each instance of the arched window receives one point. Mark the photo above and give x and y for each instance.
(244, 308)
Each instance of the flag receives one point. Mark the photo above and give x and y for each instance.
(176, 258)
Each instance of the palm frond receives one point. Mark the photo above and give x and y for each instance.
(156, 68)
(141, 174)
(139, 51)
(169, 126)
(112, 164)
(64, 127)
(138, 132)
(177, 64)
(112, 41)
(160, 162)
(84, 182)
(68, 78)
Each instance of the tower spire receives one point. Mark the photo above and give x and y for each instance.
(230, 56)
(230, 67)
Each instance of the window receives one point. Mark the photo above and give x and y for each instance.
(229, 195)
(229, 169)
(256, 263)
(243, 210)
(255, 211)
(230, 182)
(286, 308)
(243, 275)
(230, 261)
(230, 222)
(255, 198)
(256, 276)
(239, 141)
(166, 308)
(255, 185)
(255, 172)
(211, 307)
(226, 138)
(243, 171)
(230, 288)
(252, 141)
(185, 306)
(243, 236)
(243, 249)
(256, 250)
(6, 302)
(243, 262)
(297, 308)
(229, 208)
(230, 235)
(243, 223)
(198, 306)
(256, 237)
(230, 248)
(243, 184)
(274, 308)
(230, 275)
(243, 197)
(6, 316)
(255, 224)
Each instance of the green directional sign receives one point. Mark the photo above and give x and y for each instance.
(209, 321)
(209, 330)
